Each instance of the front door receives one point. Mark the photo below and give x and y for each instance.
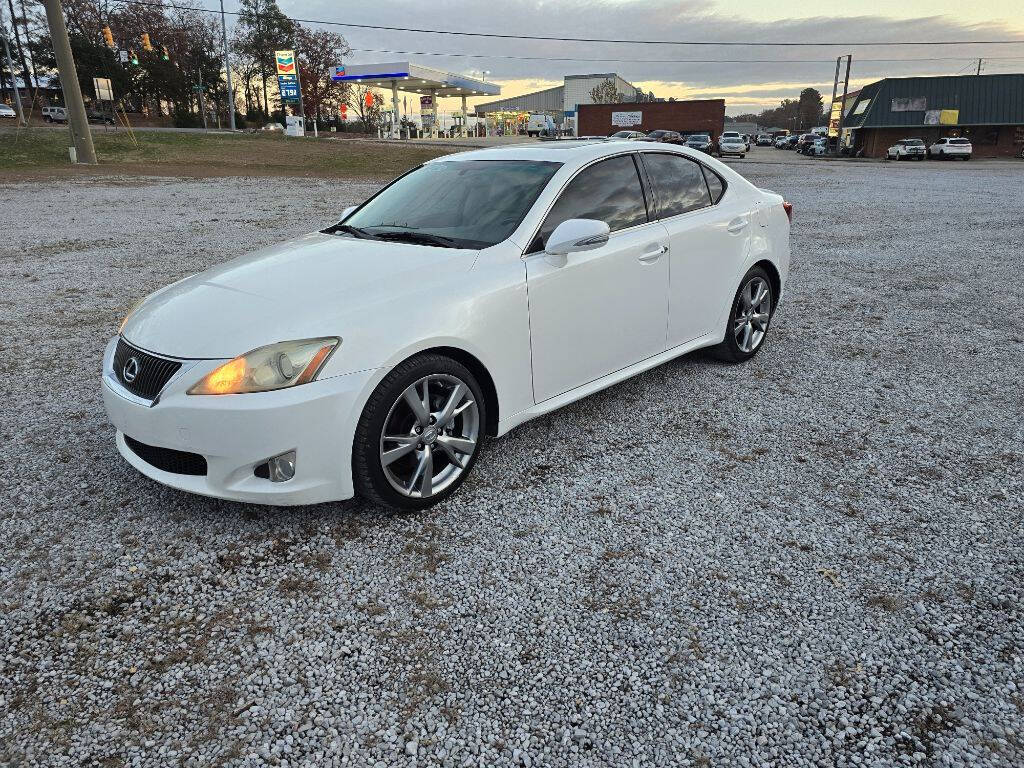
(596, 312)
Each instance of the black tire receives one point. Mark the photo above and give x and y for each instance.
(367, 473)
(967, 157)
(729, 350)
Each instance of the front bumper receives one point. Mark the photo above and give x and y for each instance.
(236, 433)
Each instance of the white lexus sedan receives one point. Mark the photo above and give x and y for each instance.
(471, 294)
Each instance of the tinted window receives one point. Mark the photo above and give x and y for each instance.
(715, 184)
(608, 191)
(678, 183)
(475, 203)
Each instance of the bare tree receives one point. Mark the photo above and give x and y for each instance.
(606, 93)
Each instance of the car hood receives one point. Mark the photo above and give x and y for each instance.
(302, 288)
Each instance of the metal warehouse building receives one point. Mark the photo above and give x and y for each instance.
(987, 109)
(562, 101)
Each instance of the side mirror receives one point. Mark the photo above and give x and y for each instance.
(574, 235)
(347, 211)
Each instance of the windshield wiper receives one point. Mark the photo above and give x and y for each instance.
(348, 229)
(419, 237)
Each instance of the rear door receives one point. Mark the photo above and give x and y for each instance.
(709, 232)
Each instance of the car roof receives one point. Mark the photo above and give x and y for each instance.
(568, 151)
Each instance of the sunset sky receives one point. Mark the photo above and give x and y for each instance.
(686, 71)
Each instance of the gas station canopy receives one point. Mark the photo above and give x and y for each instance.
(405, 76)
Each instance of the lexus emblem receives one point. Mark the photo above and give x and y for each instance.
(131, 370)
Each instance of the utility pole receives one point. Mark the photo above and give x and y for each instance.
(842, 104)
(10, 66)
(979, 66)
(831, 104)
(227, 65)
(84, 152)
(202, 96)
(298, 80)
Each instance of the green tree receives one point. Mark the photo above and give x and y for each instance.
(261, 29)
(810, 108)
(319, 50)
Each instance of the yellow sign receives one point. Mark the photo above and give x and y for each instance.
(949, 117)
(285, 62)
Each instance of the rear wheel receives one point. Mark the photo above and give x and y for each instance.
(419, 434)
(749, 318)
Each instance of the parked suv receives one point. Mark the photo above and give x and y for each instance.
(944, 149)
(55, 114)
(904, 149)
(764, 140)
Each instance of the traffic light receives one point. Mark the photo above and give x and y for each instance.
(166, 56)
(108, 37)
(146, 45)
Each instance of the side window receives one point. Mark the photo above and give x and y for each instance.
(678, 183)
(715, 184)
(609, 191)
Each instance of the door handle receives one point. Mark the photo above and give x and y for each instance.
(649, 257)
(737, 225)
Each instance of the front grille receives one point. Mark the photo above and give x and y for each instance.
(168, 459)
(151, 372)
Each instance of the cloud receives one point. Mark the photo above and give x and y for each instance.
(762, 66)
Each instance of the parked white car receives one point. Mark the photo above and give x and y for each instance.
(764, 140)
(732, 143)
(907, 149)
(947, 148)
(629, 135)
(474, 293)
(7, 111)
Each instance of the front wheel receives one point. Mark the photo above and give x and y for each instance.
(749, 318)
(419, 434)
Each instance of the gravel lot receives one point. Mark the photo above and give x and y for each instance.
(812, 559)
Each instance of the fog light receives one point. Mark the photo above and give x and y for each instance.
(278, 469)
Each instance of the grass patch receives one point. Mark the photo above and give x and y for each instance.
(206, 154)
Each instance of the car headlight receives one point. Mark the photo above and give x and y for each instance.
(276, 366)
(131, 312)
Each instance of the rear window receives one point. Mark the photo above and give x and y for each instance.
(678, 183)
(959, 141)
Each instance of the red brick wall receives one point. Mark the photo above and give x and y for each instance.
(877, 140)
(686, 116)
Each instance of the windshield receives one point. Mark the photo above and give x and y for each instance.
(622, 135)
(912, 142)
(657, 134)
(461, 204)
(700, 137)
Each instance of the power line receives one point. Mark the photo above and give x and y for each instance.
(971, 59)
(551, 38)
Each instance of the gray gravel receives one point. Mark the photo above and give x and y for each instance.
(812, 559)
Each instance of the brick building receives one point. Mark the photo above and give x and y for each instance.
(987, 109)
(687, 117)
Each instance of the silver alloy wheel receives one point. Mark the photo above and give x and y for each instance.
(753, 311)
(429, 436)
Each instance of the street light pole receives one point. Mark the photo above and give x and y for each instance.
(85, 152)
(227, 65)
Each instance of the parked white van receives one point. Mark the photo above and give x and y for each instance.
(540, 125)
